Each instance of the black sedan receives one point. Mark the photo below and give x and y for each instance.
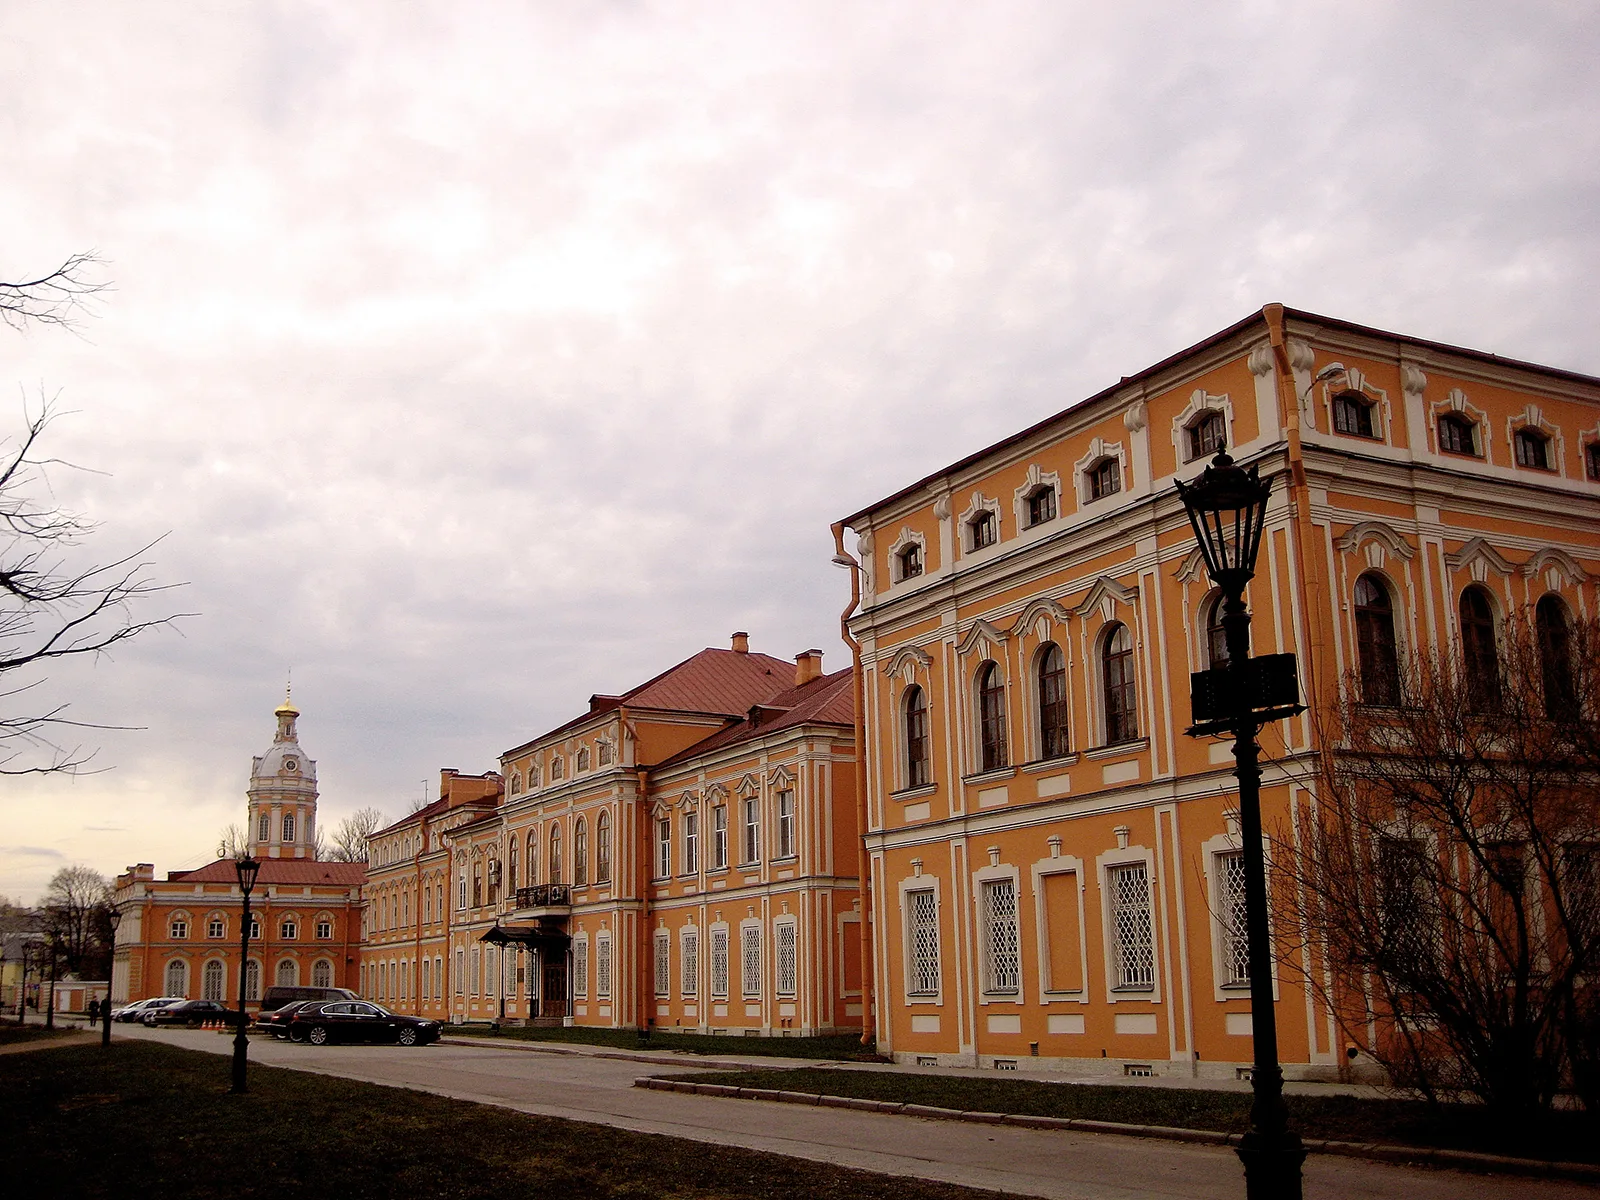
(193, 1013)
(358, 1021)
(277, 1021)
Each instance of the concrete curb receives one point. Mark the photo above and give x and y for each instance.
(652, 1060)
(1464, 1160)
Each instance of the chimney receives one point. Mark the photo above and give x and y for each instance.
(807, 666)
(741, 643)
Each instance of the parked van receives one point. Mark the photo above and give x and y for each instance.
(277, 997)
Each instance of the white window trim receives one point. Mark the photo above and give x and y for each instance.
(1532, 417)
(662, 980)
(580, 967)
(1033, 733)
(907, 885)
(978, 503)
(711, 976)
(1102, 866)
(1200, 401)
(605, 982)
(752, 923)
(1063, 865)
(1457, 404)
(994, 874)
(685, 934)
(1353, 381)
(1100, 448)
(1019, 499)
(1210, 850)
(908, 537)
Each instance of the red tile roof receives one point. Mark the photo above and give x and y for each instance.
(300, 871)
(828, 700)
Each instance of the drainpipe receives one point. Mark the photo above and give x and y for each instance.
(644, 982)
(863, 865)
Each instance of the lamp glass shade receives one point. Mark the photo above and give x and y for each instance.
(248, 869)
(115, 918)
(1227, 506)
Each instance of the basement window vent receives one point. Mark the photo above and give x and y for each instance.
(1244, 1073)
(927, 1060)
(1137, 1070)
(1005, 1064)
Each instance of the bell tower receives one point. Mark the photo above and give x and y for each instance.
(283, 794)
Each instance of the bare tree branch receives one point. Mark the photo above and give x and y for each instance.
(57, 298)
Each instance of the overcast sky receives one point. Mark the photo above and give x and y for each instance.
(474, 358)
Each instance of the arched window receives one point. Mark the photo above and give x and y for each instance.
(286, 973)
(1122, 697)
(533, 775)
(555, 854)
(252, 980)
(1377, 662)
(1041, 505)
(516, 783)
(991, 718)
(1555, 658)
(533, 857)
(322, 973)
(461, 889)
(288, 827)
(1207, 433)
(1105, 478)
(982, 530)
(556, 767)
(1457, 435)
(1533, 449)
(477, 883)
(1216, 636)
(580, 852)
(177, 981)
(602, 848)
(1052, 702)
(511, 867)
(1481, 658)
(583, 758)
(211, 980)
(919, 770)
(909, 560)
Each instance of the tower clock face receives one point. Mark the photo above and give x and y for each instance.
(291, 764)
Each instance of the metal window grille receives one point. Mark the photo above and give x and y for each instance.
(1002, 960)
(924, 944)
(719, 962)
(689, 955)
(663, 964)
(286, 973)
(252, 980)
(491, 972)
(477, 971)
(1133, 939)
(602, 968)
(785, 824)
(750, 960)
(212, 986)
(580, 969)
(461, 972)
(788, 956)
(321, 974)
(1231, 919)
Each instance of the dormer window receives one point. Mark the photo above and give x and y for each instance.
(1207, 434)
(533, 776)
(983, 530)
(910, 561)
(1533, 449)
(516, 783)
(605, 754)
(1457, 435)
(583, 758)
(1352, 413)
(1105, 479)
(556, 767)
(1041, 506)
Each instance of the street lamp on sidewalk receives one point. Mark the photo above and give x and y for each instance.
(248, 868)
(113, 918)
(1227, 506)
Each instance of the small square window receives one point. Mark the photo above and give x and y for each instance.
(910, 560)
(1105, 479)
(180, 930)
(1041, 506)
(1207, 434)
(214, 927)
(324, 930)
(1352, 413)
(289, 931)
(982, 531)
(1457, 435)
(1533, 449)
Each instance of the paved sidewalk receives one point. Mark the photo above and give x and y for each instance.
(590, 1085)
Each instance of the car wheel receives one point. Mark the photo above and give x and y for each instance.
(296, 1035)
(408, 1036)
(318, 1036)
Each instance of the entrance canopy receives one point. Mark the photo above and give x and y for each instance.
(535, 937)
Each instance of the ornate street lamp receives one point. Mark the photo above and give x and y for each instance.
(50, 1003)
(248, 868)
(114, 918)
(1227, 506)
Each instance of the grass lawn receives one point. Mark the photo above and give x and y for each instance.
(844, 1046)
(147, 1119)
(10, 1035)
(1561, 1136)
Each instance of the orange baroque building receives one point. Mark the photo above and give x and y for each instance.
(1054, 864)
(179, 936)
(681, 855)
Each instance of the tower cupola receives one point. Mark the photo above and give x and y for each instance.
(283, 794)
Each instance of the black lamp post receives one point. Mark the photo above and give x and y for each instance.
(248, 869)
(50, 1002)
(1227, 506)
(114, 918)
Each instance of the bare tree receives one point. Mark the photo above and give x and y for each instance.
(56, 298)
(232, 842)
(52, 604)
(1447, 879)
(75, 904)
(350, 839)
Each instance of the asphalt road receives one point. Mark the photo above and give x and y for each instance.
(1070, 1166)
